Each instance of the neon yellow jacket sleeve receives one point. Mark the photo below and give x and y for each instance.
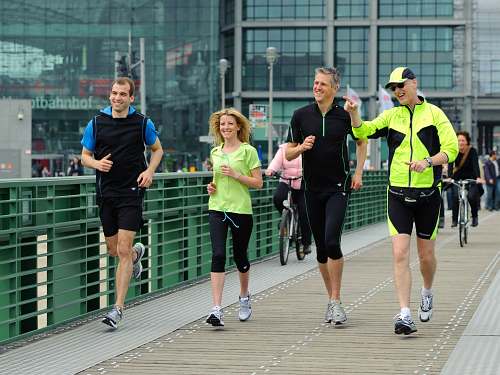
(447, 136)
(375, 127)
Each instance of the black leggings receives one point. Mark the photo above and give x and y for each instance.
(241, 229)
(326, 214)
(298, 197)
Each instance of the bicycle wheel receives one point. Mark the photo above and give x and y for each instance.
(462, 230)
(284, 236)
(466, 227)
(299, 249)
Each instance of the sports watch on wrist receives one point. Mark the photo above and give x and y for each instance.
(428, 160)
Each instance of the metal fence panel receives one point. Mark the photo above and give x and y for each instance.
(54, 267)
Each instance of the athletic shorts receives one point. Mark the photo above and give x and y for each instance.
(408, 206)
(120, 213)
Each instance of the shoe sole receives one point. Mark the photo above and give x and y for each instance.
(244, 320)
(422, 319)
(110, 323)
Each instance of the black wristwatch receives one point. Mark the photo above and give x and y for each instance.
(428, 160)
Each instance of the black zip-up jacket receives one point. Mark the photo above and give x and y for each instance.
(470, 169)
(326, 165)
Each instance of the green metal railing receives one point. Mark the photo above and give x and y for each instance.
(53, 262)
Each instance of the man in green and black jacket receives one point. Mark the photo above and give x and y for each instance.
(420, 139)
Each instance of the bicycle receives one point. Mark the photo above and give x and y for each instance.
(463, 208)
(289, 229)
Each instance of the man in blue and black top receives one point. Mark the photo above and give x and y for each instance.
(319, 132)
(114, 143)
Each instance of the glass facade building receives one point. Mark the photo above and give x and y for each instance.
(365, 40)
(61, 55)
(486, 74)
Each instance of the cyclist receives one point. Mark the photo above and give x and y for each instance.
(236, 168)
(466, 166)
(420, 139)
(292, 168)
(319, 131)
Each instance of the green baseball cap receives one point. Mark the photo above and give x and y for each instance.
(399, 75)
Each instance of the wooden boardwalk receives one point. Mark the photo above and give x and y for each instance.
(286, 334)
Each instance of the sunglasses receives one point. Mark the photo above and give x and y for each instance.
(398, 85)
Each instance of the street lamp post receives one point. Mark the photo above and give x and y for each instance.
(271, 57)
(223, 65)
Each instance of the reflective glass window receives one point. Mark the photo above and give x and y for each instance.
(283, 9)
(428, 51)
(228, 12)
(300, 51)
(62, 55)
(415, 8)
(351, 56)
(352, 8)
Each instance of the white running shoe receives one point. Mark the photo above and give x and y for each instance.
(425, 309)
(338, 313)
(137, 266)
(245, 308)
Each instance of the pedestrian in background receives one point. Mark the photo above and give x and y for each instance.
(491, 176)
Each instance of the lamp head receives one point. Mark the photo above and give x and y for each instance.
(223, 65)
(271, 55)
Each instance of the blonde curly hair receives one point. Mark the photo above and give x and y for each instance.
(242, 121)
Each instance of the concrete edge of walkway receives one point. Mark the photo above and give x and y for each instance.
(478, 350)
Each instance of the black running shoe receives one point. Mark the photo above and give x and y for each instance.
(403, 325)
(215, 317)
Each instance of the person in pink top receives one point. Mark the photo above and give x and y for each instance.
(290, 169)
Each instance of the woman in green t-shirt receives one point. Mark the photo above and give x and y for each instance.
(236, 167)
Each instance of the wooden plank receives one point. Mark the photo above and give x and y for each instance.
(287, 336)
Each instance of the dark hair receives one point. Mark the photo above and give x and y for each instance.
(125, 81)
(464, 134)
(493, 152)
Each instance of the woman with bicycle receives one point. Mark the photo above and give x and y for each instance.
(236, 167)
(466, 166)
(291, 169)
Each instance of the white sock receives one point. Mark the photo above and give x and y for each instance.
(426, 292)
(405, 312)
(216, 307)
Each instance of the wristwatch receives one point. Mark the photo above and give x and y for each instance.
(428, 160)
